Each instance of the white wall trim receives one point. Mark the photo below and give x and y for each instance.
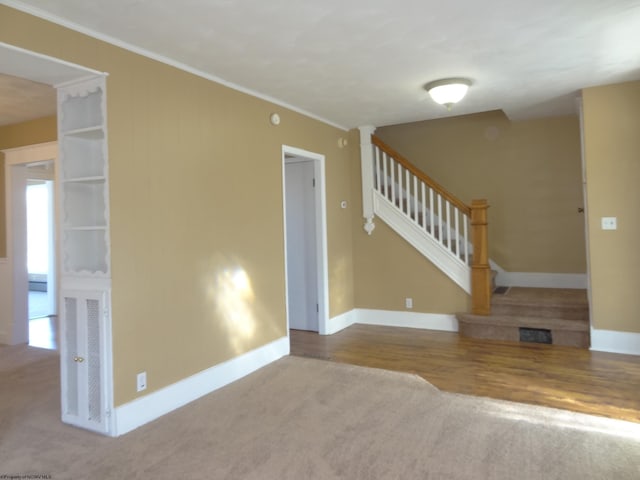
(138, 412)
(37, 12)
(14, 320)
(615, 342)
(426, 321)
(542, 280)
(340, 322)
(388, 318)
(322, 258)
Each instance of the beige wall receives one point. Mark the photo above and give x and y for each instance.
(529, 171)
(18, 135)
(388, 270)
(196, 196)
(612, 157)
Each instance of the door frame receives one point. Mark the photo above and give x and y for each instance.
(16, 162)
(292, 153)
(585, 211)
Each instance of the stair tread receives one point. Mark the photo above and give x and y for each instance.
(541, 322)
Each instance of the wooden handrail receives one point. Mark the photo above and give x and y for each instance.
(463, 207)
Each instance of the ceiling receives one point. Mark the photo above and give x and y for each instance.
(364, 62)
(26, 81)
(22, 100)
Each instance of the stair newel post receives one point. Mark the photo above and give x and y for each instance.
(366, 169)
(480, 269)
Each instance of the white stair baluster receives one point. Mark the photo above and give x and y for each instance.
(392, 180)
(439, 236)
(376, 170)
(448, 210)
(466, 239)
(385, 174)
(432, 212)
(400, 190)
(457, 231)
(416, 212)
(424, 206)
(407, 192)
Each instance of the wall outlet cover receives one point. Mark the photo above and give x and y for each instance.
(141, 381)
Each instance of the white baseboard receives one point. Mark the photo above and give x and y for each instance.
(615, 342)
(389, 318)
(427, 321)
(340, 322)
(541, 280)
(145, 409)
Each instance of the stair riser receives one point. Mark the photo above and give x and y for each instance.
(512, 334)
(567, 313)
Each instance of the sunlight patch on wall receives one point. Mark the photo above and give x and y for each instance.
(233, 298)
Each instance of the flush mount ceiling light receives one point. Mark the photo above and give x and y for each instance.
(448, 90)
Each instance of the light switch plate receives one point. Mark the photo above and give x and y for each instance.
(609, 223)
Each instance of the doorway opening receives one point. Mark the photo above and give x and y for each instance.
(41, 259)
(306, 270)
(25, 167)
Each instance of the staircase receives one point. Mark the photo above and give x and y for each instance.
(540, 315)
(453, 236)
(450, 233)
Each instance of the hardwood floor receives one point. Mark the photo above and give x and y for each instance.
(569, 378)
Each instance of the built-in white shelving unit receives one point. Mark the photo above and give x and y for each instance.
(85, 255)
(85, 203)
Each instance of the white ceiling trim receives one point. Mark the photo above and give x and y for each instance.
(36, 12)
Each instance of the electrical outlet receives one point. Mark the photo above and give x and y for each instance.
(142, 381)
(408, 302)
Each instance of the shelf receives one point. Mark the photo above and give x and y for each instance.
(80, 111)
(84, 188)
(82, 157)
(86, 250)
(84, 203)
(91, 180)
(89, 133)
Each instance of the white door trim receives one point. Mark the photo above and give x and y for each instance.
(289, 152)
(16, 234)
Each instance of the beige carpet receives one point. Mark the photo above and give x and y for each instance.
(303, 418)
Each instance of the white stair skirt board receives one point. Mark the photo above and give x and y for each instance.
(453, 267)
(539, 280)
(427, 321)
(145, 409)
(615, 342)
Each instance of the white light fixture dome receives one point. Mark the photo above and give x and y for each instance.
(448, 90)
